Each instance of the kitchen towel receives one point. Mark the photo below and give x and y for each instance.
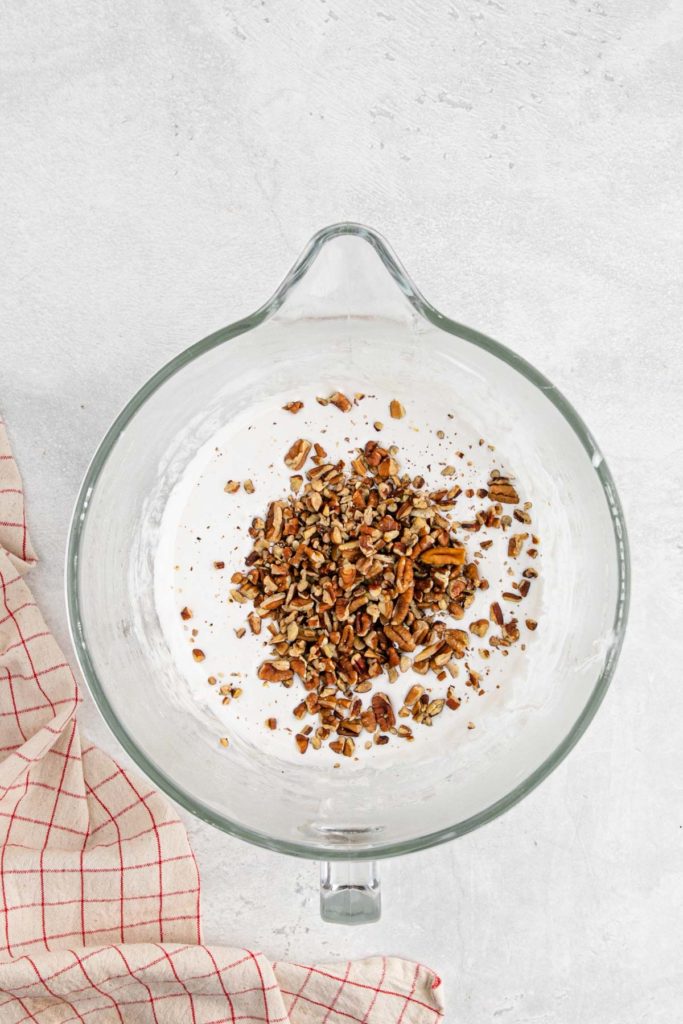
(99, 889)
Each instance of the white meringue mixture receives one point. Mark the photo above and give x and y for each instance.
(202, 524)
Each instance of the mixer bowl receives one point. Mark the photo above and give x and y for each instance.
(347, 311)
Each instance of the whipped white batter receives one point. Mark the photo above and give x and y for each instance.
(203, 525)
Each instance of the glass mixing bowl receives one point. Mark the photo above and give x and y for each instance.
(346, 310)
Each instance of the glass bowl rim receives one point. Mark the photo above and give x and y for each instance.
(225, 334)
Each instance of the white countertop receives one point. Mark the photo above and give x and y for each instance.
(164, 163)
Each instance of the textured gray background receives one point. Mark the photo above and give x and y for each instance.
(162, 165)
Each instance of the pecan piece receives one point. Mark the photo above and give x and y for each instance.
(400, 636)
(427, 652)
(297, 454)
(516, 543)
(443, 556)
(479, 627)
(404, 574)
(401, 607)
(368, 720)
(270, 673)
(339, 399)
(496, 613)
(384, 712)
(347, 575)
(502, 491)
(413, 694)
(274, 521)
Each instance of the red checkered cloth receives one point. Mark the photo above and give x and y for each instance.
(99, 890)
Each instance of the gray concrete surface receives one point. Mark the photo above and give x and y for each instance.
(163, 163)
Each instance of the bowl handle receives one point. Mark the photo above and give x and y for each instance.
(350, 892)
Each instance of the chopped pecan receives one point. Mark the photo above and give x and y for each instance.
(502, 491)
(340, 400)
(297, 454)
(443, 556)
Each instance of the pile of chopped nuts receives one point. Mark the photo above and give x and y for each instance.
(359, 573)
